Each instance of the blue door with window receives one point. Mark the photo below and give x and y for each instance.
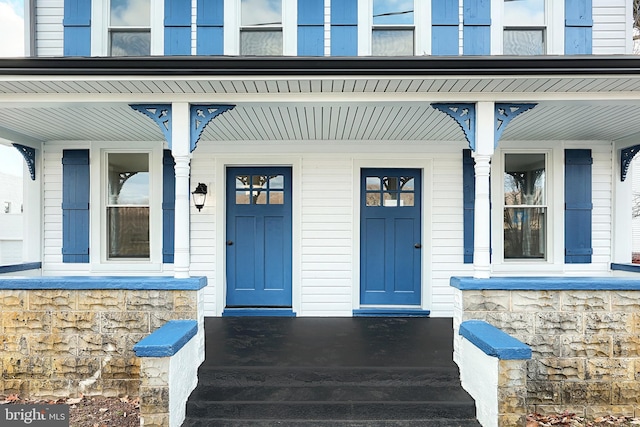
(390, 237)
(258, 237)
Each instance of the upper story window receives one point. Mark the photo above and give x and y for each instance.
(393, 28)
(129, 28)
(525, 206)
(524, 27)
(261, 27)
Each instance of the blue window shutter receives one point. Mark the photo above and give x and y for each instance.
(77, 28)
(578, 38)
(311, 27)
(444, 27)
(75, 206)
(469, 200)
(477, 27)
(168, 206)
(210, 27)
(578, 206)
(344, 28)
(177, 27)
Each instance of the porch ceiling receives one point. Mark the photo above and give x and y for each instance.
(550, 120)
(306, 108)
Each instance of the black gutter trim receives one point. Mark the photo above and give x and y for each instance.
(323, 66)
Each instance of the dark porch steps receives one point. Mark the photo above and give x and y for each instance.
(292, 396)
(329, 372)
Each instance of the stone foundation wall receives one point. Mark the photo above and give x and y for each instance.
(60, 343)
(585, 343)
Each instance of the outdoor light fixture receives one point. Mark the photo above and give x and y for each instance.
(200, 195)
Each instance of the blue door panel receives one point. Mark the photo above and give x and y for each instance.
(390, 265)
(373, 273)
(245, 244)
(274, 257)
(404, 231)
(259, 238)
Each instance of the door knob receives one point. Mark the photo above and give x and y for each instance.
(229, 242)
(417, 246)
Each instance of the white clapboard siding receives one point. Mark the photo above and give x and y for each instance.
(327, 231)
(49, 29)
(602, 208)
(203, 227)
(635, 190)
(612, 30)
(447, 232)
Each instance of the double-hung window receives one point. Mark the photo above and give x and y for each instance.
(261, 27)
(392, 33)
(525, 206)
(524, 23)
(128, 219)
(129, 28)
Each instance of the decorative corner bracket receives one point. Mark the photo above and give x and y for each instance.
(465, 116)
(200, 117)
(159, 113)
(29, 155)
(626, 156)
(505, 113)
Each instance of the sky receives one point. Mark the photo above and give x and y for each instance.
(12, 36)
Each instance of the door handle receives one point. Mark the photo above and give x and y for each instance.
(417, 246)
(229, 242)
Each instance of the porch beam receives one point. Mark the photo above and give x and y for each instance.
(181, 151)
(485, 146)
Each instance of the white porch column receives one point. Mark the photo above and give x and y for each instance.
(180, 149)
(622, 209)
(485, 139)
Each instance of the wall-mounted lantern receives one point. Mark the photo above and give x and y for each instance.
(199, 196)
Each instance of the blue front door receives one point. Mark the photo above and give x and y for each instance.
(258, 237)
(390, 237)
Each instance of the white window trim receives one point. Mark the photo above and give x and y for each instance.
(421, 33)
(98, 199)
(555, 212)
(554, 27)
(232, 27)
(100, 27)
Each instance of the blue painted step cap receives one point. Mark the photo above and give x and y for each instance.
(494, 342)
(167, 340)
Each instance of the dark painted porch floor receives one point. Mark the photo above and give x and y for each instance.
(408, 342)
(329, 372)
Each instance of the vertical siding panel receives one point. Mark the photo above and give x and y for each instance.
(177, 27)
(344, 28)
(445, 17)
(469, 198)
(578, 206)
(210, 25)
(311, 27)
(77, 27)
(477, 27)
(75, 206)
(168, 207)
(578, 27)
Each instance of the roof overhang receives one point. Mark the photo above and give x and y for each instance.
(329, 98)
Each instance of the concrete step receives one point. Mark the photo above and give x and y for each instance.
(331, 393)
(294, 410)
(297, 376)
(431, 422)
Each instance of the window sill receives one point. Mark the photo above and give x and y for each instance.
(133, 266)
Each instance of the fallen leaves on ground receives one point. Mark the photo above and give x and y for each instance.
(91, 411)
(568, 419)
